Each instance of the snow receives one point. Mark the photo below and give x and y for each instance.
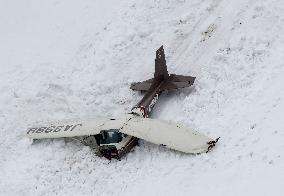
(70, 59)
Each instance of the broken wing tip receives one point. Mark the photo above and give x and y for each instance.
(211, 144)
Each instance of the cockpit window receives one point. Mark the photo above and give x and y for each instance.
(110, 136)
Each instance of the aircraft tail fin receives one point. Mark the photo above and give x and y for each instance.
(171, 81)
(160, 65)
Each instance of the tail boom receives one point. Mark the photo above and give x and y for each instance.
(144, 107)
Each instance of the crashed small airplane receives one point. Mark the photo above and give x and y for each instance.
(113, 138)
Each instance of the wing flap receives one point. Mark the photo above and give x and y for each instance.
(172, 135)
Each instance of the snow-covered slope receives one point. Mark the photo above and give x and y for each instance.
(66, 59)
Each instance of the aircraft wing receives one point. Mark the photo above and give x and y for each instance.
(142, 86)
(155, 131)
(169, 134)
(72, 128)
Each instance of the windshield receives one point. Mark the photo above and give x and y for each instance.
(110, 136)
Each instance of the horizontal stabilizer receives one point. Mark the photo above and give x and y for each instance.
(178, 81)
(142, 86)
(181, 78)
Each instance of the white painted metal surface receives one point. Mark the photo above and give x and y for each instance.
(64, 129)
(170, 134)
(156, 131)
(75, 127)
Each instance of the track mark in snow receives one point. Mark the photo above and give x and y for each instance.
(209, 32)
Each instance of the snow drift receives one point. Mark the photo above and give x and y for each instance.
(70, 59)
